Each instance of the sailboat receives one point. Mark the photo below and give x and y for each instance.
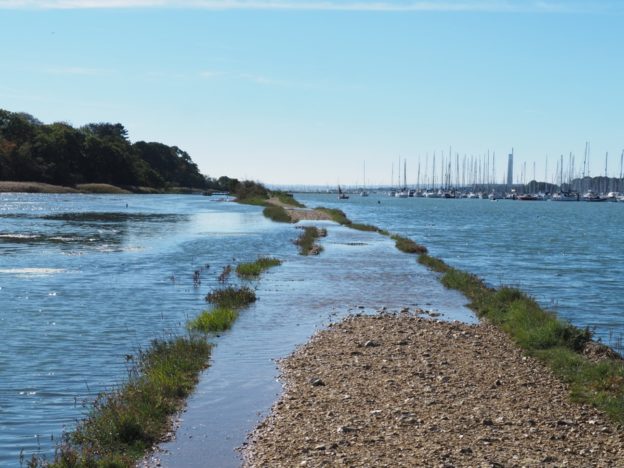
(404, 192)
(364, 193)
(342, 195)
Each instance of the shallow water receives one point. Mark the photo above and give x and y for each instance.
(569, 256)
(357, 272)
(86, 280)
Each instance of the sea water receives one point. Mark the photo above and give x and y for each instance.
(568, 255)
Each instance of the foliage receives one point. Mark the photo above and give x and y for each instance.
(277, 213)
(60, 154)
(214, 320)
(123, 424)
(307, 240)
(407, 245)
(287, 198)
(232, 297)
(336, 215)
(254, 269)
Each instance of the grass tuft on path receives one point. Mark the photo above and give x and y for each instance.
(254, 269)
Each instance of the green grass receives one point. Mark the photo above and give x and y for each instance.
(407, 245)
(254, 269)
(126, 422)
(542, 334)
(214, 320)
(307, 240)
(287, 199)
(256, 201)
(277, 214)
(232, 297)
(338, 216)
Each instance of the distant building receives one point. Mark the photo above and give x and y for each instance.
(510, 169)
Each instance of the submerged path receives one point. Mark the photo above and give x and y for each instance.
(398, 390)
(357, 271)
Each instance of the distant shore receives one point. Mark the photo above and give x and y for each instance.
(400, 390)
(40, 187)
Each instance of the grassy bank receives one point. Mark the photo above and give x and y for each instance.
(254, 269)
(597, 378)
(307, 240)
(125, 423)
(277, 214)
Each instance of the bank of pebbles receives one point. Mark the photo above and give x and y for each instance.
(400, 390)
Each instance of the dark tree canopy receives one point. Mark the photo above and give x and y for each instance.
(98, 152)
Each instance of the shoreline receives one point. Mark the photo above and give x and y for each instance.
(8, 186)
(400, 390)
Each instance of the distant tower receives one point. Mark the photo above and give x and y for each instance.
(510, 169)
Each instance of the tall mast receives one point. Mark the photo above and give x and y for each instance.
(404, 173)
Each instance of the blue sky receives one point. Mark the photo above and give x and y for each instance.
(305, 92)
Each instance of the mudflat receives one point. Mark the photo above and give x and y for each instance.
(401, 390)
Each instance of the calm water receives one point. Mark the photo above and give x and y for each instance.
(87, 280)
(569, 256)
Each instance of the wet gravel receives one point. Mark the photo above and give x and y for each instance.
(402, 390)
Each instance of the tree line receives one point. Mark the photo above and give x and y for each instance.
(60, 154)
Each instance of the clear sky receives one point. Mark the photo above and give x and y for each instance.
(305, 92)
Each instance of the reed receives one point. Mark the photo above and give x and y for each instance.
(307, 240)
(214, 320)
(407, 245)
(254, 269)
(232, 297)
(277, 214)
(124, 423)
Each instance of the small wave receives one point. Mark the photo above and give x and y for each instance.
(32, 271)
(18, 236)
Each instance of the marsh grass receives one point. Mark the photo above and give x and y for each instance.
(287, 199)
(542, 334)
(256, 201)
(407, 245)
(126, 422)
(232, 297)
(307, 240)
(277, 214)
(214, 320)
(254, 269)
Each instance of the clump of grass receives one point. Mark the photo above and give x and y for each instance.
(123, 424)
(256, 201)
(214, 320)
(277, 214)
(407, 245)
(307, 240)
(287, 199)
(338, 216)
(254, 269)
(232, 297)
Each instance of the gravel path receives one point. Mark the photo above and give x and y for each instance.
(300, 214)
(399, 390)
